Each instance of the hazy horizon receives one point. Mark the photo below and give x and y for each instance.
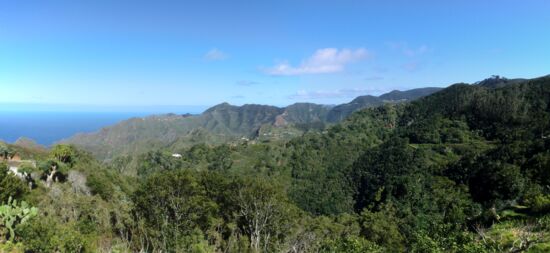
(180, 109)
(80, 108)
(151, 53)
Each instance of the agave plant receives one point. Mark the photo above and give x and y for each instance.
(13, 214)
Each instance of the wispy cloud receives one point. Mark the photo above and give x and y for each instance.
(411, 66)
(323, 61)
(409, 51)
(215, 55)
(246, 83)
(238, 97)
(341, 93)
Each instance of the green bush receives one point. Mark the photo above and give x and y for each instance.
(351, 245)
(46, 235)
(10, 185)
(10, 247)
(99, 184)
(381, 227)
(541, 203)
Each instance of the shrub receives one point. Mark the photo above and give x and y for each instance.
(12, 215)
(46, 235)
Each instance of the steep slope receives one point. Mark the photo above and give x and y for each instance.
(237, 120)
(302, 113)
(413, 94)
(28, 143)
(487, 140)
(224, 123)
(498, 82)
(492, 110)
(218, 124)
(340, 112)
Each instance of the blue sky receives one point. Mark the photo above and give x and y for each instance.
(122, 53)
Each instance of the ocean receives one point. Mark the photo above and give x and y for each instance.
(47, 128)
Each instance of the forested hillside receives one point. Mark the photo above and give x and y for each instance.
(466, 169)
(226, 123)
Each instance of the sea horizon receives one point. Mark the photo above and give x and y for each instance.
(47, 127)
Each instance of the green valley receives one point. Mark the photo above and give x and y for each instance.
(465, 169)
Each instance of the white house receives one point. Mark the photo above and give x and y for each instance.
(15, 171)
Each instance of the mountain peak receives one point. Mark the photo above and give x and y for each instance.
(221, 106)
(492, 80)
(397, 95)
(365, 99)
(28, 143)
(224, 122)
(496, 81)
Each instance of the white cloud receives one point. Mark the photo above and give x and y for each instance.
(409, 51)
(215, 55)
(323, 61)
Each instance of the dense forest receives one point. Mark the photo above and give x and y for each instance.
(227, 124)
(465, 169)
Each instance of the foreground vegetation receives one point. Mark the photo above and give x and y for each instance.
(466, 169)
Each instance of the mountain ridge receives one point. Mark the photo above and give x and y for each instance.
(224, 122)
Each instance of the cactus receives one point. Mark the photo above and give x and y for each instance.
(13, 214)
